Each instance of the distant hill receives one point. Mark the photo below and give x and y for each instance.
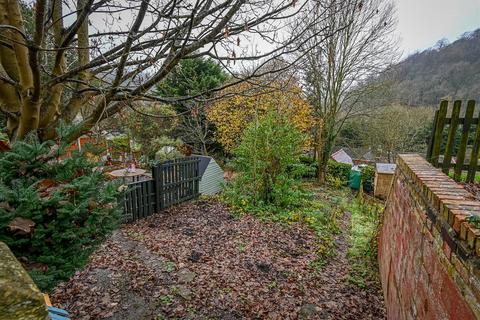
(443, 71)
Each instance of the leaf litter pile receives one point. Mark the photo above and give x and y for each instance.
(198, 261)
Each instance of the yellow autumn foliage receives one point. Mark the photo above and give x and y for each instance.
(233, 114)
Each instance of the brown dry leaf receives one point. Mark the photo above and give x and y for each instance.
(6, 206)
(21, 225)
(4, 146)
(46, 184)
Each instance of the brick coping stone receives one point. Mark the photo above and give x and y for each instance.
(448, 203)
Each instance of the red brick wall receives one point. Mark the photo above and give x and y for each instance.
(429, 268)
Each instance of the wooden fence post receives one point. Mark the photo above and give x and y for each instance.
(157, 174)
(432, 137)
(447, 156)
(468, 119)
(437, 136)
(197, 177)
(472, 168)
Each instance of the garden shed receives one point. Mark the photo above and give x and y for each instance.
(342, 156)
(211, 176)
(383, 179)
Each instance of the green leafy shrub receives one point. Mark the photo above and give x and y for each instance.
(305, 159)
(120, 144)
(310, 166)
(167, 148)
(337, 170)
(302, 170)
(368, 177)
(268, 162)
(335, 182)
(52, 211)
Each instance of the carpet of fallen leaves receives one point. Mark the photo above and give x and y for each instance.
(474, 189)
(198, 261)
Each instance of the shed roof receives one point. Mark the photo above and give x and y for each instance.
(386, 167)
(204, 161)
(342, 157)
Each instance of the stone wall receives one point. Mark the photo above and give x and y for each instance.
(19, 296)
(428, 253)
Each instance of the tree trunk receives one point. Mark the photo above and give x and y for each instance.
(323, 154)
(325, 141)
(204, 149)
(15, 66)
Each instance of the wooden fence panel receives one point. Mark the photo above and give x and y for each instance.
(467, 122)
(177, 181)
(139, 201)
(474, 156)
(173, 182)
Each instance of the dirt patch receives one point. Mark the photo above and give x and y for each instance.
(474, 189)
(198, 261)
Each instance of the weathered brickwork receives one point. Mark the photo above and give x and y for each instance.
(428, 253)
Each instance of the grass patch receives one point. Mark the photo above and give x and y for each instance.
(362, 253)
(169, 266)
(166, 299)
(463, 176)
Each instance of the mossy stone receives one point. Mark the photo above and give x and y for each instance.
(19, 296)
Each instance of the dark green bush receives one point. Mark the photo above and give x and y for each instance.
(309, 166)
(305, 159)
(303, 170)
(368, 177)
(337, 170)
(53, 212)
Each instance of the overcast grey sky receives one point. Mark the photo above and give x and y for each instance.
(421, 23)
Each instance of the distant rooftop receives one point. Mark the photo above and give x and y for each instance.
(342, 157)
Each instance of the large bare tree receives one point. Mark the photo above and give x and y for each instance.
(60, 57)
(395, 129)
(358, 44)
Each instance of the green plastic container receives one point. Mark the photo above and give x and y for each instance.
(355, 179)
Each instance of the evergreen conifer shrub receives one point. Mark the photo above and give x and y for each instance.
(53, 211)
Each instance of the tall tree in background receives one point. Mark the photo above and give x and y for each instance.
(82, 55)
(350, 43)
(395, 129)
(193, 77)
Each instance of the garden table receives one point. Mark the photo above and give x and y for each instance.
(126, 173)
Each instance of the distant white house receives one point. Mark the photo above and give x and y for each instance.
(211, 176)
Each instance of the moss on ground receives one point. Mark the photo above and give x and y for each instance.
(362, 253)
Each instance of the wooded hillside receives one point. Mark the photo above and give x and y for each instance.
(445, 70)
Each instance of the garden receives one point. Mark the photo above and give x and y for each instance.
(272, 234)
(109, 135)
